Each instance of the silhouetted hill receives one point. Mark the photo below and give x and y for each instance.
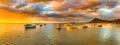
(104, 21)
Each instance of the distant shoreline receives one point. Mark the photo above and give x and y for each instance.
(104, 21)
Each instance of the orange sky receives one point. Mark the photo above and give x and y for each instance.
(86, 10)
(7, 16)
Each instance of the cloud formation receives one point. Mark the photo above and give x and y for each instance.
(68, 10)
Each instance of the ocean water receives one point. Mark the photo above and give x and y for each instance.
(60, 34)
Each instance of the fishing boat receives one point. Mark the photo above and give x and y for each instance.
(30, 26)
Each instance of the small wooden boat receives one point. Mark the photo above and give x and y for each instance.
(29, 26)
(99, 25)
(58, 27)
(85, 27)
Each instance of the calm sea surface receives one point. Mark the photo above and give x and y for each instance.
(65, 34)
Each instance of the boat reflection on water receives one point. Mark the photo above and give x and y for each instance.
(60, 34)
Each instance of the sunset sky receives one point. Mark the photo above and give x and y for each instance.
(41, 11)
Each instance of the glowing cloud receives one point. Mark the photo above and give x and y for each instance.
(68, 10)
